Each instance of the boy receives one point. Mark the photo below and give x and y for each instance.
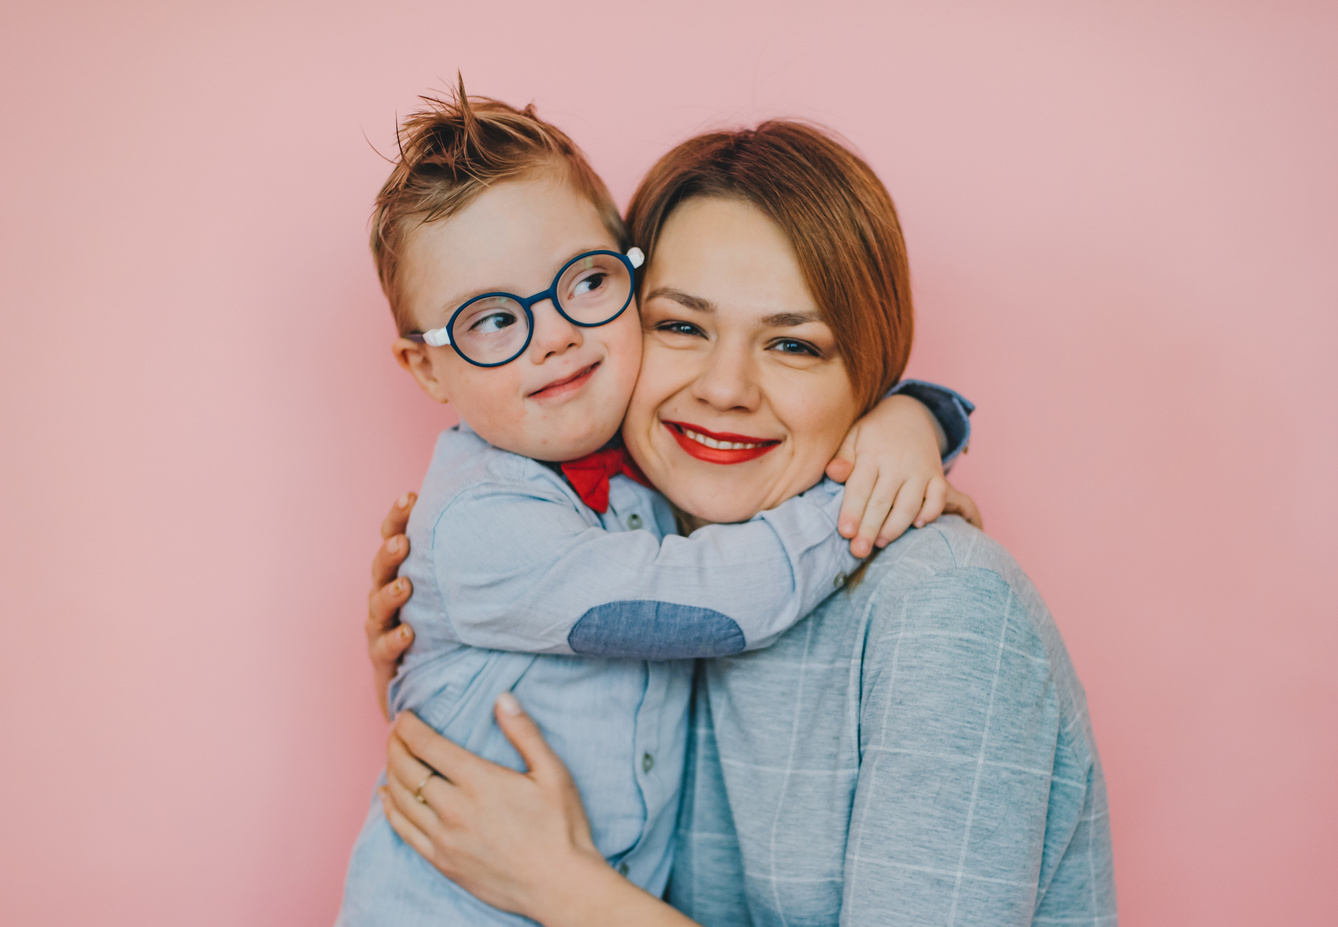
(537, 556)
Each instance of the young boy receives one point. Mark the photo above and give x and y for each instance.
(540, 564)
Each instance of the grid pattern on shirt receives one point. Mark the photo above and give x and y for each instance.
(917, 752)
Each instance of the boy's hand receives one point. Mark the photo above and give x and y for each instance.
(892, 466)
(387, 639)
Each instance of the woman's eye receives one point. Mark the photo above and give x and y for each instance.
(795, 346)
(678, 328)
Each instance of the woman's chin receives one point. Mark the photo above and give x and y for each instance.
(717, 508)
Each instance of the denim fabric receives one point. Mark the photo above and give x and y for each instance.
(623, 629)
(918, 751)
(950, 408)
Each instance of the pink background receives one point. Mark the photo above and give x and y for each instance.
(1122, 225)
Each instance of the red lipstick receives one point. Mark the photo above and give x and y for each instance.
(690, 438)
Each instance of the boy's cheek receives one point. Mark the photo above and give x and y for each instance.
(626, 352)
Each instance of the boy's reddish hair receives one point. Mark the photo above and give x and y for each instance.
(452, 150)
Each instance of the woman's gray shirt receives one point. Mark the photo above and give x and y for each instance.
(918, 751)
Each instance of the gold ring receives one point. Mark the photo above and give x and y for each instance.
(418, 792)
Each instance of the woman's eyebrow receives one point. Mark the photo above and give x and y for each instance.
(789, 319)
(687, 300)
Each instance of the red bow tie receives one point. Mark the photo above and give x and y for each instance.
(589, 475)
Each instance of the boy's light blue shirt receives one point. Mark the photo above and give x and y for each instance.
(518, 586)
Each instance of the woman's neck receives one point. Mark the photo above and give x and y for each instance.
(688, 523)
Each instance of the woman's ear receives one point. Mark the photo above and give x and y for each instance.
(419, 361)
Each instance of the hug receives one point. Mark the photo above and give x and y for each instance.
(670, 653)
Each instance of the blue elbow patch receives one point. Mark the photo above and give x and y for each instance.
(650, 630)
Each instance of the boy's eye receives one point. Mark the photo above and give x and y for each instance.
(589, 284)
(797, 347)
(488, 322)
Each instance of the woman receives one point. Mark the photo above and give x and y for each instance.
(918, 749)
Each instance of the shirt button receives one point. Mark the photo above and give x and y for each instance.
(622, 869)
(647, 762)
(634, 521)
(839, 581)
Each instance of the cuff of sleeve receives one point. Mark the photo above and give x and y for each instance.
(951, 408)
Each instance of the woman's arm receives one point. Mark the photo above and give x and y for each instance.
(518, 841)
(962, 798)
(387, 639)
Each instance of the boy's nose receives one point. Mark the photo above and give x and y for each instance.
(553, 334)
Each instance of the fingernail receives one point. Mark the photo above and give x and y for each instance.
(507, 702)
(405, 632)
(401, 586)
(404, 501)
(394, 545)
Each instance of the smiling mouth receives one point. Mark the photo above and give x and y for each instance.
(718, 447)
(566, 384)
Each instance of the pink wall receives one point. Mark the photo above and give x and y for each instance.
(1121, 219)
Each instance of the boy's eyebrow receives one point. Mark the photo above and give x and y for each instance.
(458, 300)
(700, 304)
(455, 302)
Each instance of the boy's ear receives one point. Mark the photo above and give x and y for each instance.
(415, 358)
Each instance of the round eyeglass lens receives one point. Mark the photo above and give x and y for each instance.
(490, 329)
(594, 289)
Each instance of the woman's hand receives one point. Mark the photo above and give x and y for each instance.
(498, 833)
(387, 639)
(959, 503)
(518, 841)
(892, 466)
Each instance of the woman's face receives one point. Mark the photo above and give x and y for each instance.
(742, 398)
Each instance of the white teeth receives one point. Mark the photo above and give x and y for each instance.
(719, 445)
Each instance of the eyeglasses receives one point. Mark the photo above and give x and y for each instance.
(591, 289)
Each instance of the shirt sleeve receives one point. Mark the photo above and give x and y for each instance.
(952, 409)
(959, 726)
(528, 572)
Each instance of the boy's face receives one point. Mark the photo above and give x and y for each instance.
(566, 395)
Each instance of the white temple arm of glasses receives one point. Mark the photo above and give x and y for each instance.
(636, 256)
(436, 337)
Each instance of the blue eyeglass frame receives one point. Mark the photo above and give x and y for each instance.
(439, 337)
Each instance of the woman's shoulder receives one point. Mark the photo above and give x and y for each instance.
(951, 582)
(947, 553)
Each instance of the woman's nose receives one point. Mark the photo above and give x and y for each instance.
(553, 334)
(729, 381)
